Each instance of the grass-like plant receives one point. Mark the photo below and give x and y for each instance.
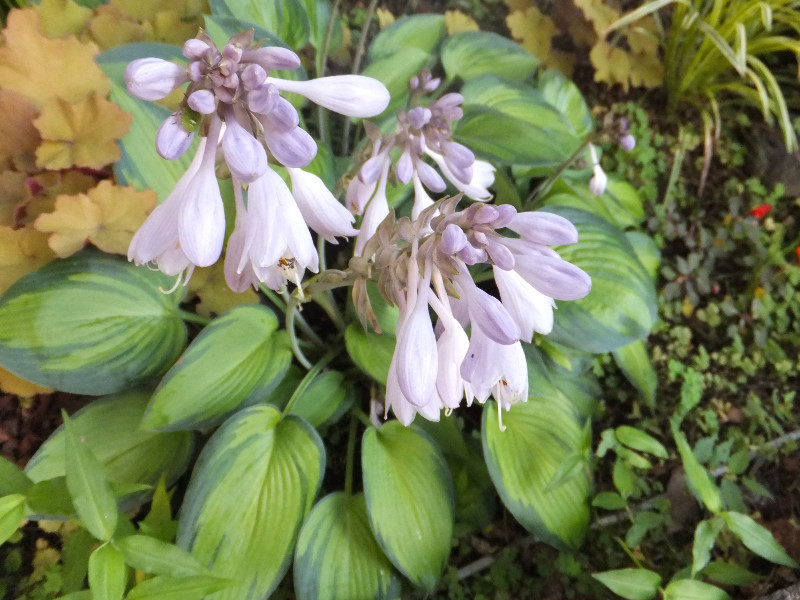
(717, 58)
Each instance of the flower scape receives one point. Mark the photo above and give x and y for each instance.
(421, 262)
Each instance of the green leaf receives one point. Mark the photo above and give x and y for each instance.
(90, 324)
(620, 205)
(757, 538)
(140, 166)
(158, 523)
(109, 428)
(394, 71)
(286, 19)
(12, 479)
(252, 487)
(470, 54)
(88, 485)
(559, 91)
(337, 557)
(730, 573)
(150, 555)
(12, 512)
(696, 474)
(621, 308)
(233, 357)
(704, 537)
(75, 559)
(641, 441)
(319, 14)
(50, 497)
(646, 251)
(422, 32)
(409, 500)
(177, 588)
(325, 399)
(609, 501)
(108, 574)
(633, 584)
(689, 589)
(634, 362)
(372, 352)
(539, 435)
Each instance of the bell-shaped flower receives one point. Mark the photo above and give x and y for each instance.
(416, 353)
(376, 211)
(544, 228)
(550, 274)
(172, 140)
(153, 78)
(451, 346)
(477, 187)
(488, 363)
(487, 313)
(532, 310)
(201, 222)
(323, 213)
(350, 95)
(244, 154)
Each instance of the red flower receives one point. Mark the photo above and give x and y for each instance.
(798, 253)
(759, 212)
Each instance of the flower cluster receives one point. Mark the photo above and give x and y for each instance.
(233, 102)
(421, 131)
(425, 263)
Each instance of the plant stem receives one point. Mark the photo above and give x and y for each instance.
(547, 183)
(191, 317)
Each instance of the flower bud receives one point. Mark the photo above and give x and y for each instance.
(153, 78)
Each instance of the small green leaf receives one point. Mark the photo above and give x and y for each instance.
(609, 501)
(633, 584)
(12, 479)
(757, 538)
(158, 523)
(697, 475)
(730, 573)
(540, 434)
(623, 477)
(689, 589)
(394, 71)
(50, 497)
(324, 401)
(88, 486)
(232, 358)
(155, 556)
(252, 487)
(470, 54)
(12, 512)
(108, 574)
(371, 352)
(178, 588)
(422, 32)
(634, 361)
(75, 559)
(641, 441)
(337, 557)
(409, 500)
(704, 537)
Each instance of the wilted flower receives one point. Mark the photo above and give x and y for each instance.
(233, 102)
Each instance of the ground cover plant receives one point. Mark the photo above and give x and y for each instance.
(290, 269)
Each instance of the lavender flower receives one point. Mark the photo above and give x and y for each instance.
(425, 263)
(234, 102)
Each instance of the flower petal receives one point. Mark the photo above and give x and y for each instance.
(351, 95)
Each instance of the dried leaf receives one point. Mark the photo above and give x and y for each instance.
(456, 21)
(107, 216)
(21, 251)
(18, 136)
(215, 296)
(43, 189)
(60, 18)
(40, 68)
(533, 30)
(12, 194)
(81, 134)
(11, 384)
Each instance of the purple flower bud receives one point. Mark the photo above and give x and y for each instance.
(293, 148)
(544, 228)
(244, 154)
(484, 214)
(350, 95)
(627, 142)
(272, 57)
(488, 313)
(372, 168)
(232, 53)
(253, 76)
(153, 78)
(500, 255)
(196, 71)
(597, 184)
(404, 168)
(195, 49)
(505, 215)
(419, 117)
(430, 178)
(172, 140)
(453, 239)
(553, 276)
(202, 101)
(262, 100)
(458, 155)
(283, 115)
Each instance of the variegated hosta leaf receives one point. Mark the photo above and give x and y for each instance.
(251, 489)
(337, 557)
(90, 324)
(540, 435)
(409, 496)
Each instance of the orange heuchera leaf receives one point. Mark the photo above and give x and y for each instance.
(533, 30)
(598, 12)
(12, 194)
(81, 134)
(60, 18)
(456, 22)
(18, 136)
(21, 251)
(107, 216)
(40, 68)
(216, 297)
(11, 384)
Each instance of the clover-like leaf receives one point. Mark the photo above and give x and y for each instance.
(107, 216)
(81, 134)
